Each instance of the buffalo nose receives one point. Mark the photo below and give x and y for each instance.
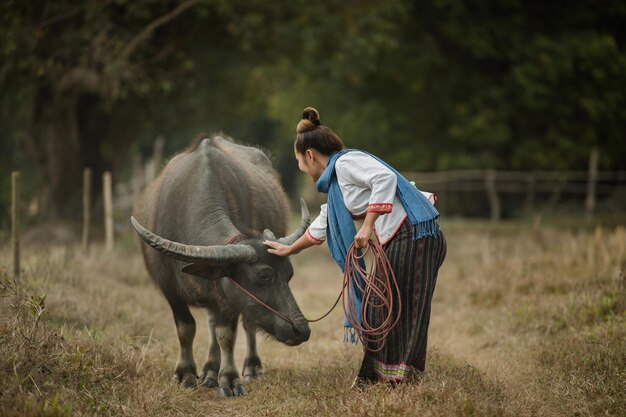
(303, 331)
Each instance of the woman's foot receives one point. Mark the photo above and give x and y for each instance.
(359, 383)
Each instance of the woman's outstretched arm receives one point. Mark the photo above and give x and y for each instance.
(279, 249)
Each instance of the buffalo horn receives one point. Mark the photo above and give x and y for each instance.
(268, 235)
(217, 255)
(304, 224)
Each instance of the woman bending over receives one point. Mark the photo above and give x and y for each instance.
(362, 187)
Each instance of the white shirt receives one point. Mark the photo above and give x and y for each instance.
(366, 186)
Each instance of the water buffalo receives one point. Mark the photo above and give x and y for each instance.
(206, 215)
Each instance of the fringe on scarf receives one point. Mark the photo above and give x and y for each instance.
(428, 228)
(350, 336)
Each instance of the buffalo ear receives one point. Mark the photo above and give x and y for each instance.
(201, 269)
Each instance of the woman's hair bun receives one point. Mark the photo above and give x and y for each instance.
(312, 135)
(310, 113)
(310, 120)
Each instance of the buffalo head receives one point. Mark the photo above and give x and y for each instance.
(250, 265)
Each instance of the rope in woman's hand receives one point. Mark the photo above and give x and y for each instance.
(377, 288)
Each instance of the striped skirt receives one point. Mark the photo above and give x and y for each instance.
(415, 264)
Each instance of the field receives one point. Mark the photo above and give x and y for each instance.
(526, 321)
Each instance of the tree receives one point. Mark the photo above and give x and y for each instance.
(440, 84)
(67, 62)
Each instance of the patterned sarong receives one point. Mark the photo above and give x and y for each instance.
(415, 264)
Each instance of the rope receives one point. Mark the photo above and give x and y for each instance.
(258, 300)
(377, 289)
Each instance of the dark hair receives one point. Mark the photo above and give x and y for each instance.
(312, 134)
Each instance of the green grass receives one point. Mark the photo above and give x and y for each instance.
(526, 321)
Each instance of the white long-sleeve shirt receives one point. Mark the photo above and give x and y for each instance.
(366, 185)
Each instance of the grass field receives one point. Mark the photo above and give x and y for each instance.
(526, 322)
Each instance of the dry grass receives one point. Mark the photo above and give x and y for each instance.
(525, 322)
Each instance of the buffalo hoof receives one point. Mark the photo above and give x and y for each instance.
(208, 382)
(252, 369)
(186, 376)
(188, 380)
(230, 384)
(250, 375)
(210, 371)
(237, 391)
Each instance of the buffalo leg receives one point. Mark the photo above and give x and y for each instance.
(212, 366)
(252, 367)
(186, 329)
(228, 378)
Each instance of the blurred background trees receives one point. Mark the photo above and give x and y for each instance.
(431, 85)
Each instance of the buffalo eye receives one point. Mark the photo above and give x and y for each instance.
(265, 275)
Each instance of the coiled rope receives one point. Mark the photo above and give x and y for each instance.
(379, 290)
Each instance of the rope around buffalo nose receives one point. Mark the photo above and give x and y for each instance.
(377, 287)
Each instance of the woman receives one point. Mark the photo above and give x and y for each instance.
(362, 187)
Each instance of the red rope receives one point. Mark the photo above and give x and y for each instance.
(259, 301)
(378, 288)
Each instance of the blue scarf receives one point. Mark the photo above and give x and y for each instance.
(340, 226)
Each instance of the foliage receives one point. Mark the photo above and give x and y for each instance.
(432, 85)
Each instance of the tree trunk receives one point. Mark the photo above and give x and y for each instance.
(63, 165)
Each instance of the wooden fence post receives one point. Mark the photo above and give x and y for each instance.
(86, 207)
(530, 193)
(108, 210)
(492, 195)
(592, 177)
(15, 222)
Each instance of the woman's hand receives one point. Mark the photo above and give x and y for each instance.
(365, 232)
(363, 235)
(278, 249)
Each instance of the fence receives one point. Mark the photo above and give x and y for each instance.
(489, 185)
(587, 185)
